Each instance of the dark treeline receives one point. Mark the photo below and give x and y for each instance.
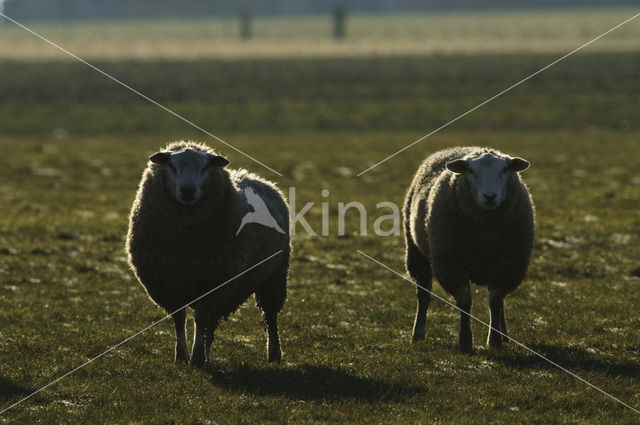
(100, 9)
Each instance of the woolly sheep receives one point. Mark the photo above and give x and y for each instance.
(182, 243)
(468, 217)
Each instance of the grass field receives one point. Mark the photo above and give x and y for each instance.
(73, 145)
(540, 31)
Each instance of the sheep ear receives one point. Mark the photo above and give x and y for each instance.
(160, 157)
(218, 161)
(458, 166)
(518, 164)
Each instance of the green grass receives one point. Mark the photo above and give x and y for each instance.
(408, 94)
(66, 293)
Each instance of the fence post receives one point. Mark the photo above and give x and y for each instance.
(245, 25)
(339, 18)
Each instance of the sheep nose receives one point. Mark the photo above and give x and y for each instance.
(490, 197)
(187, 191)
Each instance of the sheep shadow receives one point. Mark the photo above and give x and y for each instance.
(310, 383)
(10, 390)
(571, 358)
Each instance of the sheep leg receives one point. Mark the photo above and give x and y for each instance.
(274, 353)
(463, 300)
(270, 298)
(182, 351)
(420, 322)
(503, 326)
(208, 338)
(198, 352)
(494, 338)
(420, 270)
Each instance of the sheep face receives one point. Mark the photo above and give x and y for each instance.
(488, 176)
(187, 172)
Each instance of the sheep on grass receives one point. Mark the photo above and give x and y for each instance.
(468, 217)
(185, 239)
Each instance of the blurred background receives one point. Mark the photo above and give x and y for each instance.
(92, 9)
(292, 65)
(198, 28)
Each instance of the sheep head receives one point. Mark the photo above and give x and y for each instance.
(488, 176)
(187, 172)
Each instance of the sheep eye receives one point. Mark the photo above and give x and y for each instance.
(172, 167)
(505, 169)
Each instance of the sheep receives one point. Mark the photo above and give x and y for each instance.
(184, 240)
(468, 217)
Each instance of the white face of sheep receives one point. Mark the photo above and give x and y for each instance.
(187, 172)
(488, 176)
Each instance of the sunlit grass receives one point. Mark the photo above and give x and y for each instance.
(541, 31)
(66, 294)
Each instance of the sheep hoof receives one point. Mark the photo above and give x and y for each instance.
(181, 356)
(466, 348)
(495, 343)
(181, 360)
(197, 362)
(275, 359)
(419, 335)
(275, 355)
